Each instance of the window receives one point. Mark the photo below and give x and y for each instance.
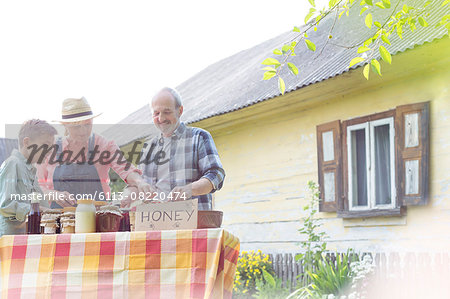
(371, 165)
(374, 165)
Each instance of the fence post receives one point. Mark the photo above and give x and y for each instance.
(277, 267)
(296, 267)
(285, 269)
(290, 270)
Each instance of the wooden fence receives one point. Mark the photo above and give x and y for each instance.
(404, 274)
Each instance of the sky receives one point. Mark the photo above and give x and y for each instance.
(118, 54)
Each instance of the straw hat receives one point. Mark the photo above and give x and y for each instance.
(74, 110)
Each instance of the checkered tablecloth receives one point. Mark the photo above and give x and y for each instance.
(159, 264)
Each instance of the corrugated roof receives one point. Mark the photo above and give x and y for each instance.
(236, 82)
(6, 147)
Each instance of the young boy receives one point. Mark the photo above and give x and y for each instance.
(18, 176)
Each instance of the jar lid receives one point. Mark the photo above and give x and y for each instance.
(35, 197)
(69, 215)
(109, 209)
(52, 211)
(85, 201)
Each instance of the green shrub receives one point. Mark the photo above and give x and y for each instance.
(270, 288)
(329, 278)
(314, 245)
(249, 270)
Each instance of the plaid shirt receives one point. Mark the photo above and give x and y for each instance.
(193, 155)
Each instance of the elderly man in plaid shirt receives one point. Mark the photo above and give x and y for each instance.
(189, 166)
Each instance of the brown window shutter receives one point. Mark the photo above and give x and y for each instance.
(330, 166)
(412, 141)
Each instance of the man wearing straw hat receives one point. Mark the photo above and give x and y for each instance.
(82, 173)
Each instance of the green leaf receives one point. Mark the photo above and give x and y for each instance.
(445, 2)
(363, 49)
(332, 3)
(375, 36)
(281, 85)
(444, 20)
(405, 8)
(385, 55)
(422, 22)
(310, 14)
(269, 68)
(376, 66)
(312, 2)
(386, 3)
(369, 2)
(268, 278)
(399, 31)
(270, 61)
(341, 13)
(310, 45)
(367, 42)
(286, 49)
(368, 20)
(380, 5)
(363, 10)
(385, 39)
(378, 24)
(293, 68)
(356, 60)
(269, 74)
(299, 257)
(318, 18)
(296, 29)
(277, 52)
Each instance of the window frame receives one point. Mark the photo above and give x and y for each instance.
(369, 129)
(393, 162)
(345, 212)
(349, 174)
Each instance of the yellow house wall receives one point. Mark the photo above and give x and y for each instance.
(269, 158)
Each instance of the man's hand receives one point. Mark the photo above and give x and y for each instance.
(145, 187)
(129, 194)
(181, 193)
(146, 191)
(140, 192)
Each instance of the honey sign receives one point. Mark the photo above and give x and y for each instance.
(167, 215)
